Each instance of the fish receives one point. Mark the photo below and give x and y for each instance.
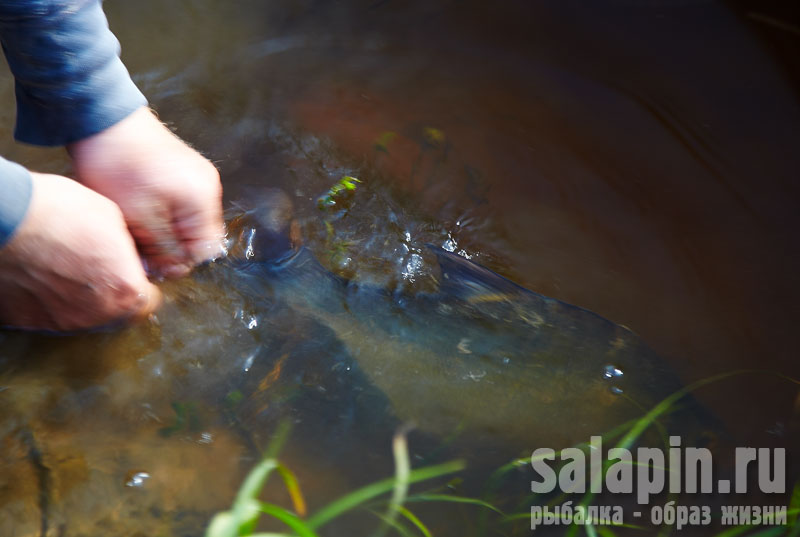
(142, 417)
(478, 353)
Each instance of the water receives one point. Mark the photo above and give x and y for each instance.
(636, 159)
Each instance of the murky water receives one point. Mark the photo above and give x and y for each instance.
(638, 159)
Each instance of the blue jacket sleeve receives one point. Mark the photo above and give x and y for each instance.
(70, 81)
(15, 196)
(70, 84)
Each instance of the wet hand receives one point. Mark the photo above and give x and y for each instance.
(170, 195)
(71, 264)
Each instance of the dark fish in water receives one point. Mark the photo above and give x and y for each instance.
(480, 352)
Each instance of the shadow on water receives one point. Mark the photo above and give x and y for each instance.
(638, 159)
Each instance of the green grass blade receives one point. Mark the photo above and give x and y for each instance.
(287, 517)
(245, 510)
(667, 404)
(664, 406)
(423, 529)
(497, 476)
(444, 444)
(402, 466)
(357, 497)
(743, 529)
(769, 532)
(452, 499)
(794, 507)
(222, 525)
(605, 531)
(516, 516)
(279, 438)
(734, 531)
(293, 488)
(255, 480)
(392, 523)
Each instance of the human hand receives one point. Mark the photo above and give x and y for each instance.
(170, 195)
(71, 264)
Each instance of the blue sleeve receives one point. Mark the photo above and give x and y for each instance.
(15, 196)
(70, 81)
(70, 84)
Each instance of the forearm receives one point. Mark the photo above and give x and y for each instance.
(15, 195)
(70, 81)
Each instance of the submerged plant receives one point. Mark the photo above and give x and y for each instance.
(243, 517)
(241, 520)
(343, 186)
(626, 435)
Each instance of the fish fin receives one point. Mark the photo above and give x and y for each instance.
(471, 282)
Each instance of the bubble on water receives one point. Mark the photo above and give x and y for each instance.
(610, 372)
(249, 358)
(475, 375)
(450, 244)
(136, 479)
(249, 251)
(342, 263)
(252, 323)
(413, 267)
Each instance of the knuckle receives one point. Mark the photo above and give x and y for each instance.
(127, 294)
(123, 296)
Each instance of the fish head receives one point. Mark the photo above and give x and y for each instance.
(263, 231)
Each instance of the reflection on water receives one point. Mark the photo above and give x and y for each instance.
(635, 159)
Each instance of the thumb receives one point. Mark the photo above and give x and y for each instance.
(150, 299)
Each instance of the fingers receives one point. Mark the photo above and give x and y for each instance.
(162, 253)
(171, 195)
(78, 307)
(150, 299)
(71, 263)
(199, 228)
(193, 236)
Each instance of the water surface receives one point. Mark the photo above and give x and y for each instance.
(636, 159)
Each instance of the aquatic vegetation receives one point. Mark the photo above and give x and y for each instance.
(335, 193)
(383, 141)
(242, 519)
(628, 435)
(338, 196)
(433, 136)
(186, 419)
